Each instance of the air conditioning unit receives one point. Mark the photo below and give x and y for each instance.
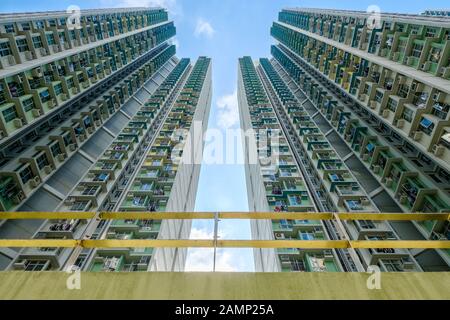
(43, 51)
(365, 202)
(410, 61)
(116, 106)
(403, 199)
(35, 182)
(408, 266)
(20, 265)
(389, 182)
(365, 157)
(90, 130)
(373, 104)
(97, 123)
(439, 96)
(418, 135)
(74, 90)
(426, 66)
(61, 157)
(18, 123)
(29, 55)
(72, 147)
(12, 60)
(64, 97)
(36, 72)
(51, 104)
(438, 150)
(362, 97)
(396, 55)
(66, 45)
(81, 137)
(385, 113)
(37, 112)
(55, 48)
(112, 264)
(377, 169)
(348, 137)
(85, 84)
(69, 202)
(280, 236)
(401, 123)
(48, 169)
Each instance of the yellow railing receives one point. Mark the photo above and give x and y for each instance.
(300, 244)
(224, 216)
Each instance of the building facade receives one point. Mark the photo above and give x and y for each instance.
(101, 117)
(364, 111)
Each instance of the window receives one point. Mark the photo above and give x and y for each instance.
(42, 161)
(414, 30)
(417, 50)
(435, 55)
(403, 91)
(367, 224)
(430, 33)
(56, 150)
(426, 126)
(37, 266)
(393, 265)
(22, 45)
(58, 89)
(402, 45)
(5, 49)
(26, 26)
(70, 83)
(379, 96)
(392, 104)
(28, 104)
(45, 96)
(40, 24)
(441, 110)
(10, 114)
(79, 206)
(408, 115)
(9, 28)
(26, 174)
(2, 94)
(90, 191)
(51, 39)
(37, 42)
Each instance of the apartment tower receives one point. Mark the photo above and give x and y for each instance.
(101, 116)
(362, 111)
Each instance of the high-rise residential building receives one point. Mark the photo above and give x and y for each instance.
(99, 116)
(360, 107)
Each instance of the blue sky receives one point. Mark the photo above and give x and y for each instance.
(224, 30)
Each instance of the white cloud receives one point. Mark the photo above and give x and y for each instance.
(202, 260)
(204, 28)
(171, 5)
(228, 115)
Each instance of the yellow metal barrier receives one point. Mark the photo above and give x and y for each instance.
(279, 244)
(224, 216)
